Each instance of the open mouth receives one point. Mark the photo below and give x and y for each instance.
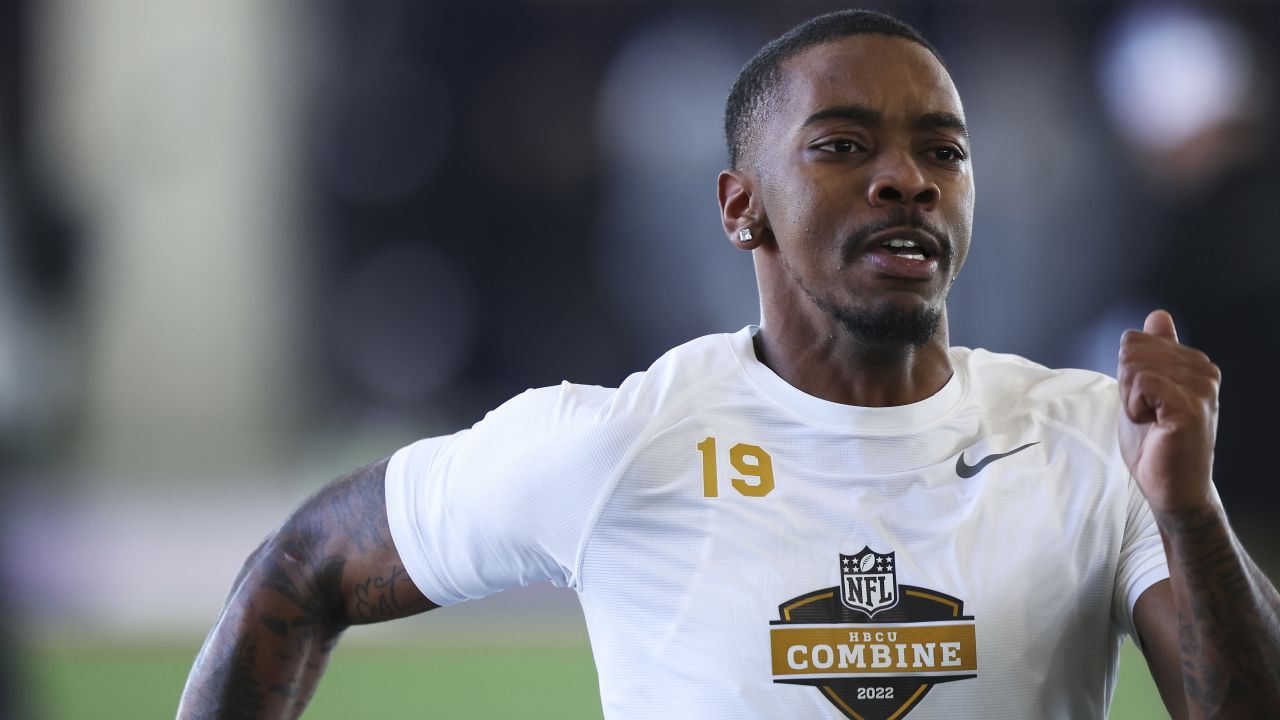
(908, 249)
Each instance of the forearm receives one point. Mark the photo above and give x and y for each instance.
(331, 565)
(268, 649)
(1228, 615)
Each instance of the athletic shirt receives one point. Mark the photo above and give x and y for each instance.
(744, 550)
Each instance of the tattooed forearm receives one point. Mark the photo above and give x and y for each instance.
(277, 626)
(232, 672)
(246, 692)
(331, 565)
(1229, 620)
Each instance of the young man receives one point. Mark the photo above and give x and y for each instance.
(835, 514)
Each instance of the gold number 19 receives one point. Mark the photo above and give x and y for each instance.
(750, 460)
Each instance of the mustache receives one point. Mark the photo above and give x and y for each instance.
(897, 217)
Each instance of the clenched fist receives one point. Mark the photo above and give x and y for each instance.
(1169, 416)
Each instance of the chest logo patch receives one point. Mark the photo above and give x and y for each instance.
(873, 647)
(868, 581)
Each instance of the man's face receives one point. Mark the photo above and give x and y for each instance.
(867, 186)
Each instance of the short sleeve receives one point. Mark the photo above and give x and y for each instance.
(1142, 560)
(510, 501)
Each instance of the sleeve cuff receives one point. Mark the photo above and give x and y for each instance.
(1142, 583)
(403, 499)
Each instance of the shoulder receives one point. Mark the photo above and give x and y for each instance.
(570, 410)
(1005, 374)
(1083, 400)
(569, 444)
(683, 375)
(676, 376)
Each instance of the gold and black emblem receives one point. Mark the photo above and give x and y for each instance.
(873, 669)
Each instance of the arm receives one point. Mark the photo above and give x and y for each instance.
(1211, 633)
(331, 565)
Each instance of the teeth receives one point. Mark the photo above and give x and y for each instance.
(899, 245)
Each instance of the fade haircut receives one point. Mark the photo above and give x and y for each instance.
(758, 82)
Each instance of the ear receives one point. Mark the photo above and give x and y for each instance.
(741, 208)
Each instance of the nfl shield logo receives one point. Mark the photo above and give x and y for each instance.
(868, 581)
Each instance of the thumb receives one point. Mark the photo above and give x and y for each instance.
(1160, 324)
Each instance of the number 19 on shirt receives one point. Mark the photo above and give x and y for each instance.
(750, 460)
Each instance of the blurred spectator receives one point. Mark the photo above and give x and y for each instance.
(1186, 91)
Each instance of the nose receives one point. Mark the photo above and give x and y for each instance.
(897, 179)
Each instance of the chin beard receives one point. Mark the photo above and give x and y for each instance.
(889, 326)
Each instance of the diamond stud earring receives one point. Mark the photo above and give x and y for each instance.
(744, 235)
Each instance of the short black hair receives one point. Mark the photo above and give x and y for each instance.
(759, 78)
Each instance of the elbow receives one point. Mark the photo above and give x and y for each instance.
(299, 581)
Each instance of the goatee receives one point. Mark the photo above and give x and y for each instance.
(886, 326)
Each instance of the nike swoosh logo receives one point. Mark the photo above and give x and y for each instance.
(968, 471)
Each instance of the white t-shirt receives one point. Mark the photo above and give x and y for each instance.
(744, 550)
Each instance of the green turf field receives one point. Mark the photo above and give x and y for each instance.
(112, 682)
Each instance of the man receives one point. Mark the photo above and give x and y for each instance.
(832, 515)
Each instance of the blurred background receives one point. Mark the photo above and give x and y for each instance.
(246, 246)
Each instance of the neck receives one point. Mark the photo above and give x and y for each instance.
(833, 365)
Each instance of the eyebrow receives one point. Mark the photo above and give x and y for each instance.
(944, 120)
(860, 114)
(863, 115)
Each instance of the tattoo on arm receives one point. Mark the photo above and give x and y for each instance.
(360, 512)
(248, 692)
(1229, 621)
(376, 596)
(331, 565)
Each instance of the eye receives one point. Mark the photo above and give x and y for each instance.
(841, 146)
(948, 153)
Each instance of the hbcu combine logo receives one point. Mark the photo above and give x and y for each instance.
(874, 648)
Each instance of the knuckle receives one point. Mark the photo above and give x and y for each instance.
(1129, 353)
(1129, 338)
(1142, 380)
